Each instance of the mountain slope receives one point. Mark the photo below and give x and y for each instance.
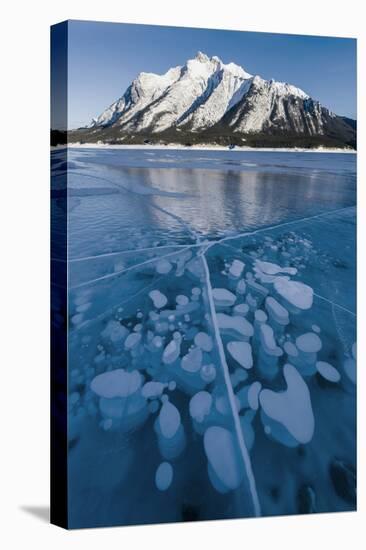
(208, 101)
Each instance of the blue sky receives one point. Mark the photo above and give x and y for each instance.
(105, 57)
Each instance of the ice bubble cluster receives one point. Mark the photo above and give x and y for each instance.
(215, 358)
(114, 332)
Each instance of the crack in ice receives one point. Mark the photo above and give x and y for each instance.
(132, 251)
(276, 226)
(230, 391)
(132, 267)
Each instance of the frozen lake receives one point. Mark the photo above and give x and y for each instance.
(211, 333)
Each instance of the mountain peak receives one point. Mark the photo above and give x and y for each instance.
(208, 95)
(202, 57)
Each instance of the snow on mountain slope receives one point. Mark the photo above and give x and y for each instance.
(146, 88)
(197, 79)
(266, 105)
(229, 83)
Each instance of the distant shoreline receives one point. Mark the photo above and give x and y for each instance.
(205, 148)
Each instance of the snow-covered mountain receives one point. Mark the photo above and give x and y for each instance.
(208, 100)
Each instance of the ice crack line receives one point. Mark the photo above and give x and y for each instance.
(334, 304)
(133, 251)
(275, 226)
(225, 368)
(121, 272)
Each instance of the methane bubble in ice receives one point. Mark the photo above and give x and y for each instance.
(276, 312)
(273, 269)
(253, 394)
(260, 316)
(172, 351)
(294, 293)
(200, 405)
(327, 371)
(236, 268)
(182, 300)
(241, 287)
(242, 353)
(208, 373)
(164, 476)
(203, 341)
(116, 383)
(158, 298)
(163, 267)
(290, 349)
(290, 408)
(169, 420)
(132, 340)
(192, 361)
(224, 466)
(76, 319)
(236, 325)
(309, 342)
(241, 309)
(152, 389)
(223, 297)
(114, 331)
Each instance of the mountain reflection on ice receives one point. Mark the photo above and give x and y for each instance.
(212, 330)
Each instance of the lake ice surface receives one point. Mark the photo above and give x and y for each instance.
(178, 262)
